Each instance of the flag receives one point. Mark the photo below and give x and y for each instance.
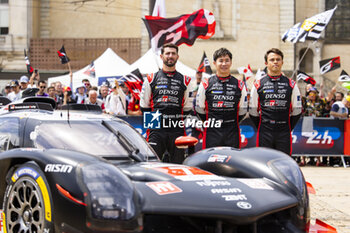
(260, 73)
(159, 8)
(29, 67)
(134, 82)
(305, 77)
(330, 64)
(63, 56)
(204, 65)
(310, 29)
(344, 77)
(91, 70)
(246, 71)
(182, 29)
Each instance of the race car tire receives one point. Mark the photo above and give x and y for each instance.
(27, 203)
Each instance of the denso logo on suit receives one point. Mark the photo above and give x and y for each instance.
(223, 97)
(168, 92)
(275, 96)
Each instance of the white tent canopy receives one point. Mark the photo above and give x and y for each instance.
(109, 64)
(150, 63)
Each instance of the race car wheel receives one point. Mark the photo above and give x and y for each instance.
(27, 204)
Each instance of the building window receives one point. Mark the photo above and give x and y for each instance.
(4, 17)
(338, 29)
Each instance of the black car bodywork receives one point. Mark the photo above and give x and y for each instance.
(79, 171)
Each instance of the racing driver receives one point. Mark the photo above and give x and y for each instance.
(275, 105)
(222, 97)
(166, 91)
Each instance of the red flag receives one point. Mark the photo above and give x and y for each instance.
(204, 66)
(29, 67)
(91, 70)
(63, 56)
(182, 29)
(134, 82)
(306, 78)
(330, 64)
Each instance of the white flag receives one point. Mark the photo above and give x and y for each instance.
(310, 29)
(246, 71)
(344, 77)
(259, 74)
(159, 9)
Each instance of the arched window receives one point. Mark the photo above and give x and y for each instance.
(4, 17)
(307, 64)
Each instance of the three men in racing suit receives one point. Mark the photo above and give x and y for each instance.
(275, 105)
(222, 97)
(166, 92)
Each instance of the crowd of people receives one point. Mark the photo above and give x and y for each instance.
(275, 103)
(335, 105)
(113, 98)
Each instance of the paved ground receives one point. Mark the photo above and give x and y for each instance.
(331, 203)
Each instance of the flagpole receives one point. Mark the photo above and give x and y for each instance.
(302, 57)
(70, 69)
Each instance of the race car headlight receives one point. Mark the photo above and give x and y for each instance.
(290, 172)
(109, 192)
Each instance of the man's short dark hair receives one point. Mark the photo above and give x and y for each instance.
(41, 81)
(273, 50)
(341, 93)
(169, 45)
(85, 80)
(222, 52)
(50, 87)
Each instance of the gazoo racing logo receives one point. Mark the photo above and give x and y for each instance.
(275, 96)
(61, 168)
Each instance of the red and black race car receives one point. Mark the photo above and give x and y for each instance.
(81, 171)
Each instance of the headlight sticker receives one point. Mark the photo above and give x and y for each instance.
(256, 184)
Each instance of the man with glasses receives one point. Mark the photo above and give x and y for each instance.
(42, 88)
(87, 85)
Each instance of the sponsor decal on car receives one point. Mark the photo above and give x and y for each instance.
(164, 187)
(219, 158)
(255, 184)
(244, 205)
(210, 183)
(186, 173)
(239, 197)
(226, 190)
(62, 168)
